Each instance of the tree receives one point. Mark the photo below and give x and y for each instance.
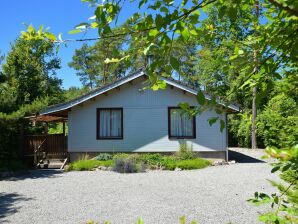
(278, 123)
(90, 62)
(83, 63)
(29, 71)
(74, 92)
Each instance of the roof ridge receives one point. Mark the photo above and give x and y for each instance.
(96, 89)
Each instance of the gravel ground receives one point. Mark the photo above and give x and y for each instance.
(211, 195)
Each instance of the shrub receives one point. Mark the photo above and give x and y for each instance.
(170, 163)
(127, 165)
(120, 156)
(153, 159)
(190, 164)
(185, 151)
(85, 164)
(278, 123)
(14, 165)
(103, 157)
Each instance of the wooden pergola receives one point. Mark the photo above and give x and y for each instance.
(46, 119)
(45, 145)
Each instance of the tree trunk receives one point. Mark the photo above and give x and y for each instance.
(254, 91)
(253, 119)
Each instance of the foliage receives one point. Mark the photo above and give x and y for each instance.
(27, 86)
(240, 128)
(185, 151)
(25, 110)
(12, 165)
(103, 157)
(29, 71)
(87, 164)
(284, 204)
(10, 126)
(278, 123)
(120, 156)
(170, 163)
(73, 92)
(153, 160)
(135, 162)
(128, 165)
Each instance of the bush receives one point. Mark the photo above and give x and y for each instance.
(103, 157)
(127, 165)
(14, 165)
(120, 156)
(278, 123)
(170, 163)
(133, 163)
(85, 164)
(191, 164)
(151, 159)
(185, 151)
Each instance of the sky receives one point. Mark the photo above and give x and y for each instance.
(60, 16)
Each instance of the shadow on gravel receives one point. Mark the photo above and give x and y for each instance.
(35, 174)
(243, 158)
(8, 204)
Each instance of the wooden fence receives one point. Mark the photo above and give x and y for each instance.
(53, 145)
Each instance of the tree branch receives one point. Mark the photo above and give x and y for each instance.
(282, 7)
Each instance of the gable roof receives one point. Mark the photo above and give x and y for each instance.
(101, 90)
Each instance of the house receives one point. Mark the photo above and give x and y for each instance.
(125, 117)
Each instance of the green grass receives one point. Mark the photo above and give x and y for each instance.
(86, 164)
(191, 164)
(170, 163)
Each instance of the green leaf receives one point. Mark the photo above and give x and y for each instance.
(175, 63)
(140, 221)
(182, 220)
(82, 26)
(212, 120)
(115, 60)
(185, 34)
(147, 49)
(201, 98)
(233, 57)
(184, 106)
(75, 31)
(159, 22)
(50, 36)
(153, 32)
(94, 25)
(164, 9)
(286, 167)
(159, 84)
(276, 199)
(276, 168)
(222, 125)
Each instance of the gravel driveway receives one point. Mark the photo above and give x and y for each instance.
(212, 195)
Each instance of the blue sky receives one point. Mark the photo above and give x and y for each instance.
(60, 15)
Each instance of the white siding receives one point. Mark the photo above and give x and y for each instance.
(145, 122)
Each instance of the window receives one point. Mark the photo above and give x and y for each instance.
(180, 124)
(109, 123)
